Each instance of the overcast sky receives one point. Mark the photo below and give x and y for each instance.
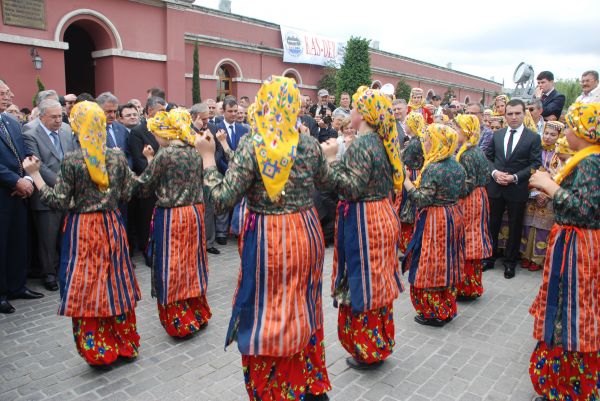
(484, 38)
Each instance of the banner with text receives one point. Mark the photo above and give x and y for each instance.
(308, 48)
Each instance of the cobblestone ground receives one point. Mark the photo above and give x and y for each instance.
(481, 355)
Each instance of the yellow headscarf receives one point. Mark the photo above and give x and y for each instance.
(88, 121)
(583, 119)
(444, 141)
(562, 146)
(275, 135)
(502, 98)
(416, 122)
(412, 104)
(529, 123)
(171, 125)
(376, 110)
(469, 125)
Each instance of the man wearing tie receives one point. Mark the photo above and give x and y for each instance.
(213, 118)
(117, 136)
(49, 142)
(514, 154)
(552, 101)
(234, 131)
(15, 187)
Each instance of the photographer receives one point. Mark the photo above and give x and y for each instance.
(323, 103)
(325, 122)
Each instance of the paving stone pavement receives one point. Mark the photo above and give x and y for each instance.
(482, 355)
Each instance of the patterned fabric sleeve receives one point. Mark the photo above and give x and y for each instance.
(425, 195)
(145, 184)
(59, 196)
(322, 172)
(350, 175)
(129, 186)
(577, 202)
(226, 191)
(467, 162)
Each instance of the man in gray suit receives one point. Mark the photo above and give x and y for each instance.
(49, 94)
(400, 107)
(50, 140)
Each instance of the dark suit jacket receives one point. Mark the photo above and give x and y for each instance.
(9, 165)
(39, 144)
(311, 124)
(240, 131)
(122, 137)
(553, 104)
(401, 134)
(139, 137)
(526, 155)
(217, 120)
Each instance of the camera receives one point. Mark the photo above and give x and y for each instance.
(323, 113)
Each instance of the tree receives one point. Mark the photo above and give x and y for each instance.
(328, 79)
(403, 90)
(447, 95)
(41, 87)
(570, 88)
(356, 67)
(196, 77)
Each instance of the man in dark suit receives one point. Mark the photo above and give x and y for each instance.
(234, 132)
(49, 142)
(142, 208)
(117, 134)
(552, 101)
(200, 116)
(514, 153)
(213, 118)
(15, 187)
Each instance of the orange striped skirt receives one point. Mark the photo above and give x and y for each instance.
(180, 268)
(277, 305)
(570, 290)
(96, 275)
(436, 249)
(476, 214)
(365, 258)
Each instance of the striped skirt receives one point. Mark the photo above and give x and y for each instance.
(277, 305)
(96, 274)
(366, 272)
(180, 269)
(436, 249)
(178, 244)
(476, 215)
(567, 307)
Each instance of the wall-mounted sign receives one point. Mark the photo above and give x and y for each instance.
(25, 13)
(308, 48)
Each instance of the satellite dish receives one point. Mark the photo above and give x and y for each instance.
(523, 78)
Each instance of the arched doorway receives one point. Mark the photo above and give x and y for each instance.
(88, 33)
(79, 64)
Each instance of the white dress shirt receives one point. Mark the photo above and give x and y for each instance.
(516, 137)
(592, 97)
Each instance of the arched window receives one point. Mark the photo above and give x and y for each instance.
(376, 85)
(294, 74)
(467, 100)
(224, 83)
(430, 94)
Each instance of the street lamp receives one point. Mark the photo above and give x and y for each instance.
(36, 58)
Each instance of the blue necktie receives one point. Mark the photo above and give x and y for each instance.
(110, 142)
(56, 143)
